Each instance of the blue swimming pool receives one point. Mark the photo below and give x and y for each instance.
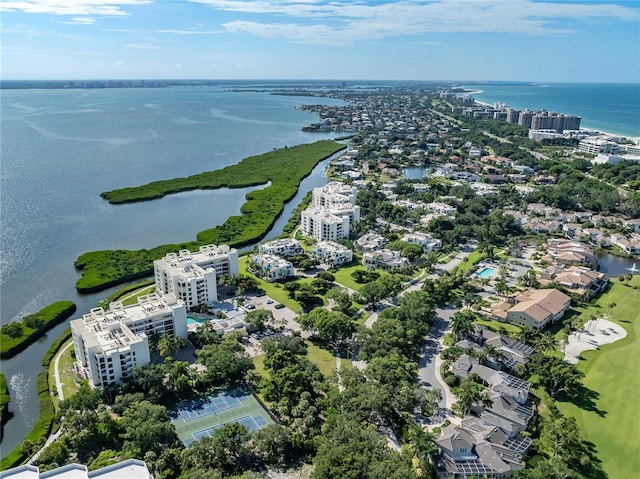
(486, 273)
(192, 320)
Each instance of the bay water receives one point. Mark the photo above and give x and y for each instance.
(61, 148)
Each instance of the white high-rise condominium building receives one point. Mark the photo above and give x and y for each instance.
(193, 277)
(333, 194)
(332, 212)
(270, 267)
(110, 343)
(323, 225)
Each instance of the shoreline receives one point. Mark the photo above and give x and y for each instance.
(599, 132)
(602, 131)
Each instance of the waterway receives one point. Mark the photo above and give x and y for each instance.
(60, 149)
(22, 370)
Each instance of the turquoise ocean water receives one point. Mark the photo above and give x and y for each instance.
(613, 108)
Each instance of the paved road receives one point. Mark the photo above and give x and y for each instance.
(429, 365)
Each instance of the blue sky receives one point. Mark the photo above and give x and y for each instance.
(562, 41)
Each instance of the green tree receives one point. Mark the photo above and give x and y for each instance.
(545, 342)
(558, 377)
(470, 393)
(501, 287)
(342, 299)
(530, 279)
(462, 323)
(273, 444)
(372, 293)
(259, 319)
(347, 450)
(146, 427)
(332, 327)
(225, 363)
(423, 447)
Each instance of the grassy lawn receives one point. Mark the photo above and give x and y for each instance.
(67, 376)
(363, 318)
(273, 290)
(322, 358)
(611, 419)
(132, 298)
(343, 275)
(497, 326)
(473, 259)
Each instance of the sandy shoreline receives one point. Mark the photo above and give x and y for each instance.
(599, 132)
(595, 333)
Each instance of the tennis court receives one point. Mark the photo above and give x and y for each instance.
(251, 423)
(201, 418)
(210, 406)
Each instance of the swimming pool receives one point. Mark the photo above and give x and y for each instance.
(192, 320)
(486, 273)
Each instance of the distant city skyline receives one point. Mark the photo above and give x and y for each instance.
(506, 40)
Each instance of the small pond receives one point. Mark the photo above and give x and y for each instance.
(615, 265)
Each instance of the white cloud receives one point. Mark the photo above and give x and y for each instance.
(188, 32)
(70, 7)
(142, 46)
(80, 21)
(354, 21)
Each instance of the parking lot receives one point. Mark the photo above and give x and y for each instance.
(284, 322)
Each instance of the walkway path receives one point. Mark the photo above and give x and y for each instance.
(56, 370)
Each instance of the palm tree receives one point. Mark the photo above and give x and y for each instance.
(470, 393)
(527, 335)
(462, 324)
(529, 279)
(545, 342)
(423, 445)
(168, 346)
(502, 288)
(165, 346)
(577, 325)
(493, 352)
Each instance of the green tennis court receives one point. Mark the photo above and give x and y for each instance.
(200, 418)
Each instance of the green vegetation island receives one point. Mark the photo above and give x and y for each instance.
(17, 335)
(284, 168)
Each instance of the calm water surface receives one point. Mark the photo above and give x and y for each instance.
(61, 148)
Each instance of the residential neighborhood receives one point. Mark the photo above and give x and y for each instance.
(426, 296)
